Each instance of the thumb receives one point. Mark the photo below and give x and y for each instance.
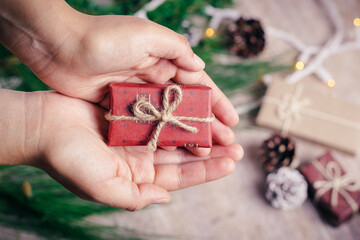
(122, 193)
(167, 44)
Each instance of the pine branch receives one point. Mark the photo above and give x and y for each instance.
(237, 76)
(50, 210)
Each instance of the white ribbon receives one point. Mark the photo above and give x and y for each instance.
(289, 107)
(336, 183)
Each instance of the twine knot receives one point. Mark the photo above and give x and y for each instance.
(165, 116)
(337, 183)
(289, 107)
(145, 111)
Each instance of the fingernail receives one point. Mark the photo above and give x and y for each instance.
(239, 153)
(199, 61)
(161, 201)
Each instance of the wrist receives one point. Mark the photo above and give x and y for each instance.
(35, 30)
(20, 117)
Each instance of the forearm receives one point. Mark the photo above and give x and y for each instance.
(36, 29)
(19, 127)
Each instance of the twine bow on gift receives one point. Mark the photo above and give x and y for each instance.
(145, 111)
(336, 183)
(289, 108)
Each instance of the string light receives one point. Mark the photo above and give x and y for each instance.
(312, 55)
(331, 83)
(357, 22)
(27, 190)
(209, 32)
(299, 65)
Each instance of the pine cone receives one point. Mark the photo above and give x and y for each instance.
(276, 152)
(246, 37)
(286, 188)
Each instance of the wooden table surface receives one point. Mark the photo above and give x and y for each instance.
(234, 207)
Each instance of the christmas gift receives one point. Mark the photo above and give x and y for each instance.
(310, 113)
(336, 193)
(160, 115)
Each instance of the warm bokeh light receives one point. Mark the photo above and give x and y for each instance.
(299, 65)
(209, 32)
(331, 83)
(357, 22)
(26, 187)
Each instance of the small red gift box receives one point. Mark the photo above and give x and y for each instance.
(127, 128)
(337, 194)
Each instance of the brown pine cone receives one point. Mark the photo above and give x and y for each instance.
(276, 152)
(246, 37)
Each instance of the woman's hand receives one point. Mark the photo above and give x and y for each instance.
(79, 55)
(70, 141)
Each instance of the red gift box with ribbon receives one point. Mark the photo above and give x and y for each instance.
(336, 193)
(160, 115)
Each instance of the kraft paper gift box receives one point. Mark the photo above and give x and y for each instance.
(303, 111)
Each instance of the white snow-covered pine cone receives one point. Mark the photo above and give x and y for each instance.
(286, 188)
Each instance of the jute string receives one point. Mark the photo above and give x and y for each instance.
(145, 111)
(336, 183)
(291, 106)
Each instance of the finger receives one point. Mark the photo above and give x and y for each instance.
(165, 43)
(221, 106)
(199, 151)
(233, 151)
(105, 102)
(121, 193)
(167, 148)
(222, 134)
(173, 177)
(160, 72)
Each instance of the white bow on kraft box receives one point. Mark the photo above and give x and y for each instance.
(306, 112)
